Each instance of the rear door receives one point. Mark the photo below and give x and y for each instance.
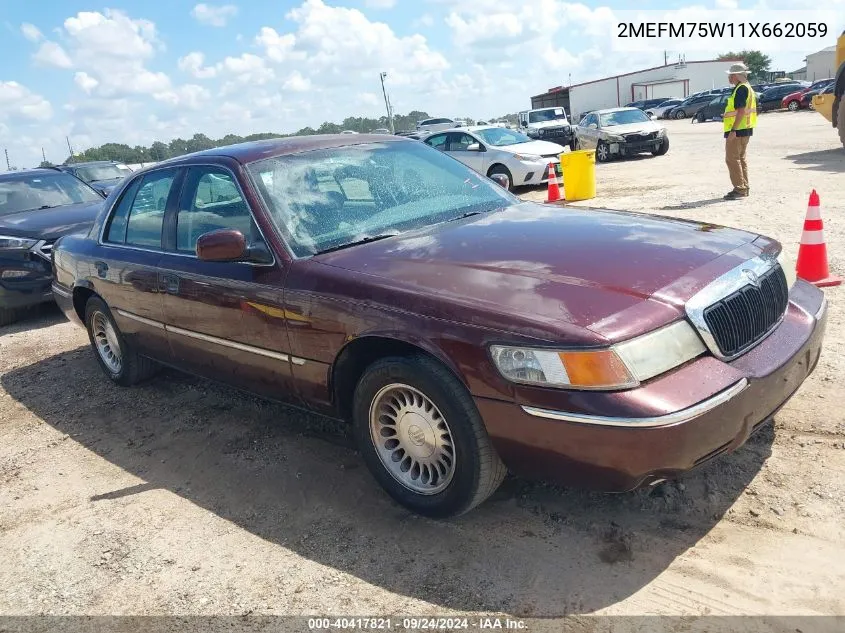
(126, 264)
(225, 320)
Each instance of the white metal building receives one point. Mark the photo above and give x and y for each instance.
(672, 80)
(821, 64)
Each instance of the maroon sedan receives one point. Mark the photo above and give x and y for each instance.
(461, 331)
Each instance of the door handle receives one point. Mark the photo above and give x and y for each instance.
(102, 269)
(170, 283)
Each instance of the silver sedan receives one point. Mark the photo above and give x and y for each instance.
(496, 150)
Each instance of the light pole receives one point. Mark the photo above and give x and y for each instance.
(383, 75)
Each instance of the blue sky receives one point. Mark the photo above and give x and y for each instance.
(133, 72)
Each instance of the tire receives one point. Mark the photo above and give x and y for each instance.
(602, 152)
(664, 147)
(475, 470)
(699, 117)
(793, 106)
(501, 169)
(679, 114)
(840, 120)
(8, 316)
(130, 367)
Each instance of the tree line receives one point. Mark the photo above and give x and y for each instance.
(159, 151)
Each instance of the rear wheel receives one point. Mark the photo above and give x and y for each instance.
(679, 114)
(422, 437)
(122, 364)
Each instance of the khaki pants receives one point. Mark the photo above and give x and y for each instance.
(735, 147)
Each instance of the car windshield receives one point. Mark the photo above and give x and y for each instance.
(327, 199)
(622, 117)
(500, 136)
(42, 191)
(96, 173)
(538, 116)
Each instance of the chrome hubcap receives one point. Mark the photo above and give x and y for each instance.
(412, 439)
(603, 152)
(105, 340)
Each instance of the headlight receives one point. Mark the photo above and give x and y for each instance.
(661, 132)
(613, 138)
(619, 366)
(531, 158)
(8, 243)
(789, 266)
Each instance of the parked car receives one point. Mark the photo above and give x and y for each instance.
(712, 110)
(804, 98)
(381, 130)
(620, 132)
(461, 330)
(689, 106)
(493, 150)
(548, 124)
(772, 98)
(102, 175)
(37, 207)
(646, 104)
(349, 132)
(659, 111)
(435, 125)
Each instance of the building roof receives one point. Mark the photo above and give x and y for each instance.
(636, 72)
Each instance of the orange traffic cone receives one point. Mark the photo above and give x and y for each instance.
(554, 189)
(812, 253)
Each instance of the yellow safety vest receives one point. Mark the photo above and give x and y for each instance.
(749, 121)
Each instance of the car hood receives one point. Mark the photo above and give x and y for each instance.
(540, 148)
(552, 123)
(50, 224)
(552, 265)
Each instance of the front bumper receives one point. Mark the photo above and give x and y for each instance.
(621, 441)
(627, 148)
(31, 288)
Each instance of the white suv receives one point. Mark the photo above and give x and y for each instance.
(435, 125)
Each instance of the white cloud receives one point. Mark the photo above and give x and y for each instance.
(297, 83)
(425, 20)
(193, 63)
(278, 48)
(31, 32)
(380, 4)
(212, 15)
(726, 4)
(19, 102)
(51, 54)
(85, 81)
(189, 96)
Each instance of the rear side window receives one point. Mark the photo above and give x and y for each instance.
(146, 216)
(116, 230)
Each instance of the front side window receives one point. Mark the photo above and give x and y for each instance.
(211, 201)
(146, 216)
(43, 191)
(460, 142)
(327, 199)
(116, 229)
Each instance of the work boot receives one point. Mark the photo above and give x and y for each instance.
(733, 194)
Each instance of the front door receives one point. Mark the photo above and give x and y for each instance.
(588, 136)
(126, 266)
(225, 320)
(457, 148)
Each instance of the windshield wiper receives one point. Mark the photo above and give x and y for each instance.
(48, 206)
(363, 240)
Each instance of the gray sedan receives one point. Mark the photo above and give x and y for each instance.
(620, 132)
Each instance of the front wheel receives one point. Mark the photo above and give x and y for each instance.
(664, 147)
(422, 437)
(793, 106)
(501, 169)
(8, 316)
(602, 152)
(117, 359)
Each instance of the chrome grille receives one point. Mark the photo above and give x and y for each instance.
(744, 317)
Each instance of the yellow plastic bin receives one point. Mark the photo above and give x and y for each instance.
(579, 174)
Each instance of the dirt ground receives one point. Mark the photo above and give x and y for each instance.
(182, 497)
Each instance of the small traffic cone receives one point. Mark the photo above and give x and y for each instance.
(812, 253)
(554, 189)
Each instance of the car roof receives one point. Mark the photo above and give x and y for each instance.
(608, 110)
(270, 148)
(16, 175)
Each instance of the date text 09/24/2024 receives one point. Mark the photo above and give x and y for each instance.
(416, 624)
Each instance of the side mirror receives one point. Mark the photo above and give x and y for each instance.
(223, 245)
(593, 126)
(502, 180)
(474, 147)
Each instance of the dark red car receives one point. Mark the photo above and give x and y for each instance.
(462, 331)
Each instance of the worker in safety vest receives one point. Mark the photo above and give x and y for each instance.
(739, 119)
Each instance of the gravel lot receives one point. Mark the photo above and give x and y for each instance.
(183, 497)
